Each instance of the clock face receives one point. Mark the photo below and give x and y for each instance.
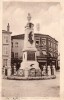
(30, 37)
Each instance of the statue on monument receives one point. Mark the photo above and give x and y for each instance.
(29, 24)
(29, 17)
(30, 37)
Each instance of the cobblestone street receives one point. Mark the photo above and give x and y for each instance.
(31, 88)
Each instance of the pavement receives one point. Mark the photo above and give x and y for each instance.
(31, 88)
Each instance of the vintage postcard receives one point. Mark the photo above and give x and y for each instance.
(32, 50)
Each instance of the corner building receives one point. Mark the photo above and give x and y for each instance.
(47, 50)
(6, 46)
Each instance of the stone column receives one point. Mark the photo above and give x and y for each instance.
(53, 69)
(14, 70)
(49, 70)
(9, 71)
(44, 70)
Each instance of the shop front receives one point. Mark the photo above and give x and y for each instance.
(45, 61)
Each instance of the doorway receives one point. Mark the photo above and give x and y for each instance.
(41, 64)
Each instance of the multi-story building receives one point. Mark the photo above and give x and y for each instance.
(6, 46)
(47, 49)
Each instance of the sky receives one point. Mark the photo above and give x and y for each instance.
(47, 14)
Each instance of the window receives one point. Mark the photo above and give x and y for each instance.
(54, 46)
(44, 52)
(51, 54)
(37, 42)
(5, 62)
(54, 54)
(6, 39)
(16, 55)
(12, 54)
(43, 42)
(5, 50)
(16, 44)
(49, 43)
(12, 44)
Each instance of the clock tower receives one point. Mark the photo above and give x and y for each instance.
(29, 50)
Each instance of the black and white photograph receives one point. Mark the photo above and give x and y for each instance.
(30, 49)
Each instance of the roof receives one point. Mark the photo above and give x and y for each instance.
(21, 36)
(4, 31)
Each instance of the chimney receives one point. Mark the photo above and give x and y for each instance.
(8, 27)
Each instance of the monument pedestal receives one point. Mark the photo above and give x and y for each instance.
(27, 66)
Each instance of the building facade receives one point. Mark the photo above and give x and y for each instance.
(47, 49)
(6, 47)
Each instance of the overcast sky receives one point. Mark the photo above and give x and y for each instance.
(47, 14)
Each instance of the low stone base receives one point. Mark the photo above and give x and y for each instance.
(31, 78)
(29, 72)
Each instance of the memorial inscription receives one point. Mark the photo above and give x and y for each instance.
(31, 55)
